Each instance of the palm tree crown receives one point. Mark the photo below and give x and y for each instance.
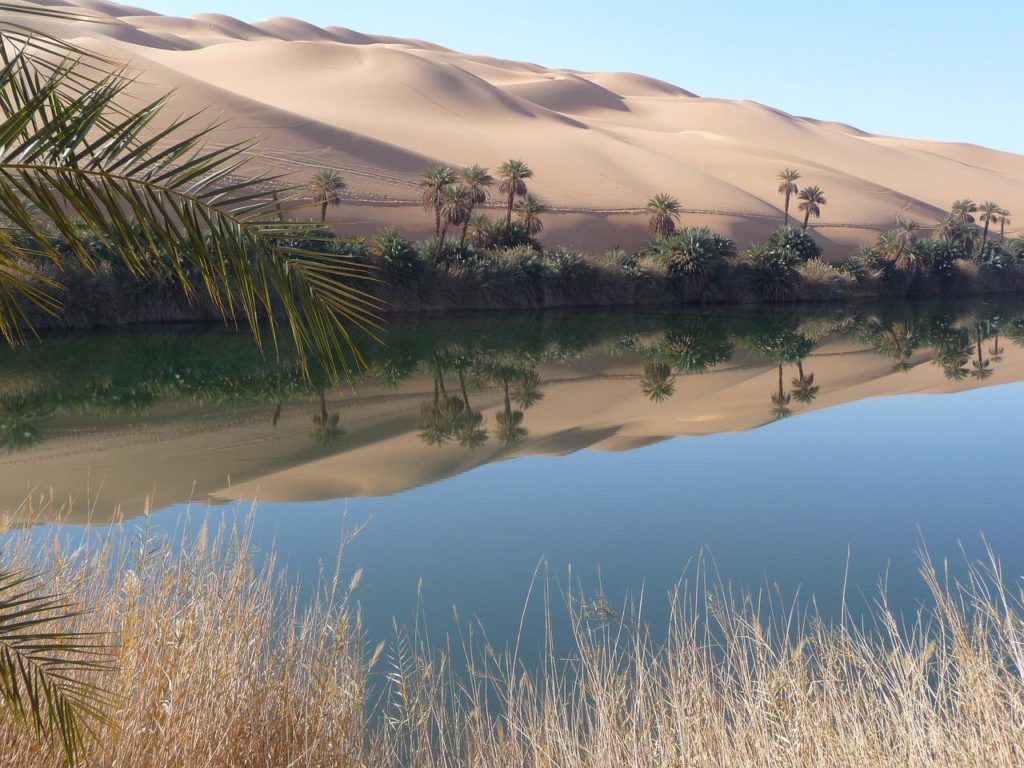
(433, 183)
(513, 175)
(327, 187)
(812, 199)
(662, 214)
(528, 211)
(788, 178)
(962, 209)
(478, 181)
(989, 213)
(456, 206)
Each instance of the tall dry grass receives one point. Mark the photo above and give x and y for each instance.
(220, 664)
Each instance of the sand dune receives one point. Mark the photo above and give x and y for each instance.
(378, 109)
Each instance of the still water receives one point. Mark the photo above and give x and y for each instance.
(795, 450)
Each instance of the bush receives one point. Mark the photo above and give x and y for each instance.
(796, 241)
(694, 257)
(398, 257)
(509, 237)
(569, 266)
(941, 255)
(772, 271)
(449, 253)
(824, 281)
(994, 257)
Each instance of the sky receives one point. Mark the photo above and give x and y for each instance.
(933, 69)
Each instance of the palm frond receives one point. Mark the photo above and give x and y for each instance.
(167, 203)
(48, 672)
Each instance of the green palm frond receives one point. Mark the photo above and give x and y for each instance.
(48, 672)
(72, 162)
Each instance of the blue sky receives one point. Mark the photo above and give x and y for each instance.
(918, 68)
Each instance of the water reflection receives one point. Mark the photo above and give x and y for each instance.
(181, 413)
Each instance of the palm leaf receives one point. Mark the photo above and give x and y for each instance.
(47, 671)
(166, 203)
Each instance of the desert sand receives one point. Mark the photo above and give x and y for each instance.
(379, 110)
(177, 453)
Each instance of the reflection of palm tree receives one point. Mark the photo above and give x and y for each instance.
(658, 384)
(527, 391)
(981, 366)
(19, 433)
(781, 400)
(471, 432)
(510, 422)
(995, 350)
(804, 388)
(325, 425)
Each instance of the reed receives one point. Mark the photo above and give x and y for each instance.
(222, 664)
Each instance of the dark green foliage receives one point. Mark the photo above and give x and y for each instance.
(694, 257)
(772, 271)
(448, 254)
(795, 241)
(508, 236)
(398, 257)
(941, 255)
(994, 257)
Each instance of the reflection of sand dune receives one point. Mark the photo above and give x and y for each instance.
(177, 453)
(379, 109)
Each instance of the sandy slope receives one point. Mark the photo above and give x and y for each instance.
(175, 453)
(380, 109)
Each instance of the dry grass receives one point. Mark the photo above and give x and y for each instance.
(220, 667)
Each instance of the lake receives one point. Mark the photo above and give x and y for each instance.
(812, 451)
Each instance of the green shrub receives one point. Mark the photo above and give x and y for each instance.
(694, 257)
(398, 257)
(448, 254)
(824, 280)
(795, 241)
(772, 271)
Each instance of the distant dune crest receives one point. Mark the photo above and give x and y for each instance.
(378, 109)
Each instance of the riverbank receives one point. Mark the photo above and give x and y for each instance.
(691, 267)
(208, 643)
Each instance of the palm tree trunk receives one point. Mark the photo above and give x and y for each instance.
(323, 407)
(277, 205)
(437, 221)
(462, 386)
(785, 223)
(807, 218)
(782, 391)
(984, 237)
(1002, 231)
(323, 212)
(800, 369)
(465, 226)
(508, 218)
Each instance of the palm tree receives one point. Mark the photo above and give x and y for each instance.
(528, 211)
(812, 199)
(433, 183)
(456, 205)
(804, 389)
(662, 214)
(478, 181)
(514, 175)
(327, 187)
(658, 384)
(788, 178)
(480, 230)
(510, 422)
(962, 209)
(1004, 219)
(989, 212)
